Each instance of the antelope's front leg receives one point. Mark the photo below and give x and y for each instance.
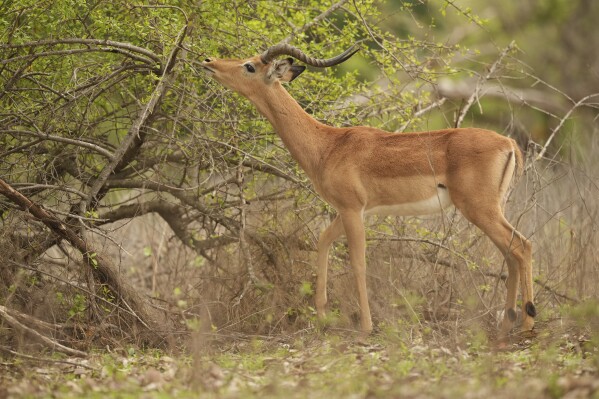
(327, 237)
(356, 237)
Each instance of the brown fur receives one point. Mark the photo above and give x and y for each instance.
(358, 168)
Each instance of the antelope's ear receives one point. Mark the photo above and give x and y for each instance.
(284, 70)
(293, 73)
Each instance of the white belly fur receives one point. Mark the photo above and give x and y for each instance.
(434, 204)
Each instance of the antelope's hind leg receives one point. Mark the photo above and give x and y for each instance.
(517, 251)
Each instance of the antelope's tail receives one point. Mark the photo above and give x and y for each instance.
(519, 159)
(513, 169)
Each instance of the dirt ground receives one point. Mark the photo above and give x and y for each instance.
(562, 360)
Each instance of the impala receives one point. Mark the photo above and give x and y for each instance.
(362, 170)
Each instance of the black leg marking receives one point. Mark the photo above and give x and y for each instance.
(511, 314)
(530, 309)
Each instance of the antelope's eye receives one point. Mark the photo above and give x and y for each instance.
(250, 68)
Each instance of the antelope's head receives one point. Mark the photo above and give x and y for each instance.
(250, 75)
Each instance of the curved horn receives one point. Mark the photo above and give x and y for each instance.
(286, 49)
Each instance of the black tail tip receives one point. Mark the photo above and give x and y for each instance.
(530, 309)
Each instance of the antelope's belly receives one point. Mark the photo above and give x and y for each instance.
(434, 204)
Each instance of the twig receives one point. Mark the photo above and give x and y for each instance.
(424, 241)
(74, 51)
(30, 186)
(379, 43)
(166, 6)
(16, 324)
(258, 164)
(554, 292)
(558, 127)
(421, 112)
(66, 140)
(479, 83)
(97, 42)
(45, 360)
(30, 319)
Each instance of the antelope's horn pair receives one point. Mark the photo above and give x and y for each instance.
(286, 49)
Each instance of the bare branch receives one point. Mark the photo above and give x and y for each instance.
(422, 111)
(29, 186)
(44, 325)
(60, 139)
(179, 193)
(48, 341)
(431, 258)
(466, 89)
(45, 360)
(559, 126)
(554, 292)
(480, 82)
(172, 214)
(97, 42)
(71, 52)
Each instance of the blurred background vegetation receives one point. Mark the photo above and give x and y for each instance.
(184, 212)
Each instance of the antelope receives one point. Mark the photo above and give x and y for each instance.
(361, 170)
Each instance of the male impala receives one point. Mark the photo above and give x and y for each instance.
(363, 170)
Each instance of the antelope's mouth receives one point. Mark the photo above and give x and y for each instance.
(207, 69)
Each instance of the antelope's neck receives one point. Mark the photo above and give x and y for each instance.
(304, 136)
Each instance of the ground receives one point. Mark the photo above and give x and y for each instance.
(558, 362)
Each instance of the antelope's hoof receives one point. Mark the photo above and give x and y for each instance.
(530, 308)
